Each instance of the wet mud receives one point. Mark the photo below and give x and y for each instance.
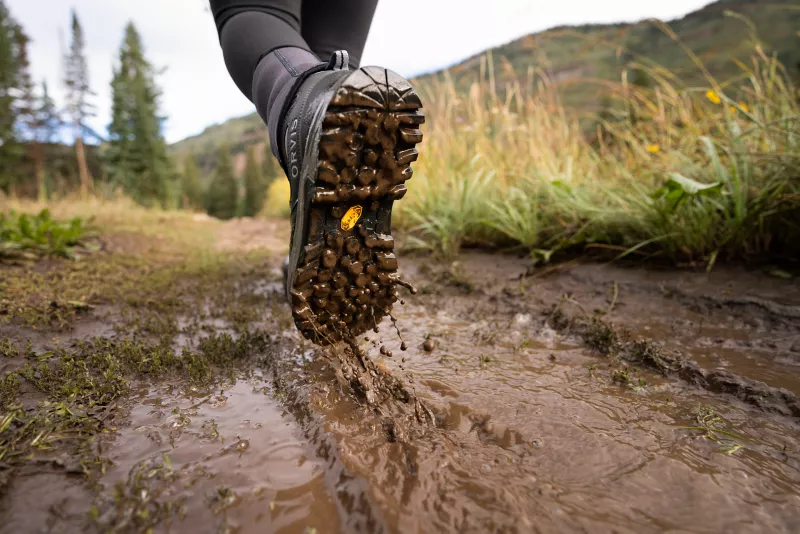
(500, 398)
(243, 457)
(598, 421)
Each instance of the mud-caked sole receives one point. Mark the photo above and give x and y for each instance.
(346, 280)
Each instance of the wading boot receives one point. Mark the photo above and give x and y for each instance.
(346, 142)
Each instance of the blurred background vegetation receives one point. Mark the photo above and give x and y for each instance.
(650, 139)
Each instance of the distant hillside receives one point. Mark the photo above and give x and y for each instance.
(573, 56)
(238, 133)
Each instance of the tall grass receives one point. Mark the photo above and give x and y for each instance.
(686, 173)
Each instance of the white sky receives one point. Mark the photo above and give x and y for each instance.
(408, 36)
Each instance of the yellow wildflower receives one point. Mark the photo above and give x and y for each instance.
(653, 149)
(741, 106)
(713, 96)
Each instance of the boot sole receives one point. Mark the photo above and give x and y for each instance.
(346, 278)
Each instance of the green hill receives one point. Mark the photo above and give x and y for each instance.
(577, 59)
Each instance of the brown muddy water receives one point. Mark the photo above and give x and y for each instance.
(506, 420)
(237, 448)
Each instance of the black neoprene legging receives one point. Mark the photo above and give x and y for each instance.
(250, 29)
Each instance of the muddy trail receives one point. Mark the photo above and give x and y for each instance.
(578, 397)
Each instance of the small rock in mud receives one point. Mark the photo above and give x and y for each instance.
(547, 335)
(429, 345)
(522, 318)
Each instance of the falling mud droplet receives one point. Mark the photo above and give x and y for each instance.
(406, 285)
(403, 346)
(397, 329)
(429, 345)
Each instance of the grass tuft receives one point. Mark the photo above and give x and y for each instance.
(712, 427)
(666, 170)
(601, 337)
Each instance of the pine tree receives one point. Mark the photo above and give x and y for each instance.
(255, 189)
(34, 115)
(10, 148)
(191, 191)
(223, 192)
(137, 153)
(49, 120)
(76, 82)
(26, 100)
(45, 126)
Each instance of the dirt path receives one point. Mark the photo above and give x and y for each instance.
(580, 397)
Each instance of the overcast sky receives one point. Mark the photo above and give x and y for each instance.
(408, 36)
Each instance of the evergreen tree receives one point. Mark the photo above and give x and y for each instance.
(36, 117)
(48, 118)
(76, 82)
(137, 153)
(255, 188)
(10, 148)
(223, 192)
(26, 100)
(46, 125)
(191, 191)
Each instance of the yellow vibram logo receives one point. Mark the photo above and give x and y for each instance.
(351, 217)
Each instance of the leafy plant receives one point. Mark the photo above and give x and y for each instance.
(42, 235)
(678, 188)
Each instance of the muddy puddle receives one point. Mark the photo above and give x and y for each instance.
(229, 461)
(732, 319)
(512, 422)
(536, 437)
(537, 433)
